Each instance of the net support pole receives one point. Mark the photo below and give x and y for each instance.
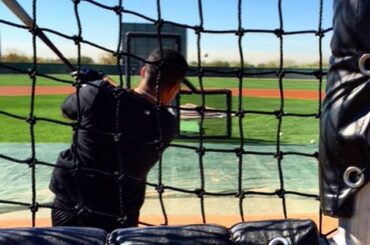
(344, 123)
(355, 230)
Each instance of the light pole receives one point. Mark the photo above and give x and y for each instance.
(205, 58)
(0, 47)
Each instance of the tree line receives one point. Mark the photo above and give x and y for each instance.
(14, 57)
(108, 59)
(269, 64)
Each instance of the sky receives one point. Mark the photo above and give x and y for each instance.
(101, 26)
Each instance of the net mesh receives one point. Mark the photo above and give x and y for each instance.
(239, 112)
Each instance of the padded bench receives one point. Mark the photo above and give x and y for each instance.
(274, 232)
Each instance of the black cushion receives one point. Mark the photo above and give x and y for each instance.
(52, 235)
(297, 232)
(181, 235)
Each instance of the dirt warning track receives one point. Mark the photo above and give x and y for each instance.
(262, 93)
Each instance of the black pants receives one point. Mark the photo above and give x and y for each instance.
(70, 218)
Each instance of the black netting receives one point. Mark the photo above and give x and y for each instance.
(240, 113)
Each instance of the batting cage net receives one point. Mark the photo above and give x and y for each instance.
(216, 126)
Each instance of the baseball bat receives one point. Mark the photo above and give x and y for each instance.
(17, 9)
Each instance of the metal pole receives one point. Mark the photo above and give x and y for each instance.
(1, 54)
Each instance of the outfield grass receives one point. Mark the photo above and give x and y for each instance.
(255, 83)
(15, 130)
(208, 82)
(24, 80)
(263, 128)
(256, 128)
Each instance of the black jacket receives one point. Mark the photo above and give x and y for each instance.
(117, 133)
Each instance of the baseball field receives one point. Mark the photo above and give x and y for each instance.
(261, 97)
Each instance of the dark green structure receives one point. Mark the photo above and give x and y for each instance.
(140, 39)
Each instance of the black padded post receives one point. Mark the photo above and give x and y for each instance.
(344, 132)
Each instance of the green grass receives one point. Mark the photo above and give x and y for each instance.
(255, 83)
(208, 82)
(256, 128)
(24, 80)
(263, 128)
(15, 130)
